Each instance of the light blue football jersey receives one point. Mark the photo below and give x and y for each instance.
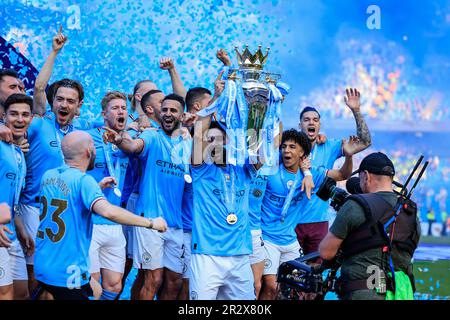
(278, 186)
(257, 191)
(44, 137)
(323, 155)
(211, 233)
(65, 231)
(118, 163)
(162, 181)
(12, 173)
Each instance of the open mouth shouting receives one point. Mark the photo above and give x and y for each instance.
(311, 132)
(168, 122)
(18, 129)
(63, 116)
(121, 122)
(287, 158)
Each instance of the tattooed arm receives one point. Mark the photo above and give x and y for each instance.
(352, 100)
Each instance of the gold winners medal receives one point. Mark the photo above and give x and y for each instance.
(232, 218)
(187, 178)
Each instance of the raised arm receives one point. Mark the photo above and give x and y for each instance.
(123, 141)
(122, 216)
(353, 101)
(177, 84)
(349, 147)
(222, 55)
(202, 125)
(39, 98)
(199, 145)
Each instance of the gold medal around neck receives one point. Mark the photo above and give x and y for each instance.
(232, 218)
(187, 178)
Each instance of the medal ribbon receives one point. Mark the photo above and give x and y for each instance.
(58, 138)
(229, 193)
(290, 195)
(113, 171)
(21, 172)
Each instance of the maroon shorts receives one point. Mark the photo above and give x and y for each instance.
(309, 235)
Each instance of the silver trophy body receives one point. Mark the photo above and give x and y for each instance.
(257, 97)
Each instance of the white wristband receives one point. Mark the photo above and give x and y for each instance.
(307, 173)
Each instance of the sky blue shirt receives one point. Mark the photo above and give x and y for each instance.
(324, 156)
(45, 153)
(211, 233)
(162, 182)
(119, 162)
(12, 173)
(257, 190)
(273, 230)
(65, 231)
(134, 170)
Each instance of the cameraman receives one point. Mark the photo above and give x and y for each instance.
(363, 245)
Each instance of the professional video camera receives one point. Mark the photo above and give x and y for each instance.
(296, 277)
(329, 190)
(338, 196)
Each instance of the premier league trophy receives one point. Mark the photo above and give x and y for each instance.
(251, 107)
(255, 91)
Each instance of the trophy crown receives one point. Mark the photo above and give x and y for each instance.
(248, 60)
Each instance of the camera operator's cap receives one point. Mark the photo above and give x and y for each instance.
(377, 163)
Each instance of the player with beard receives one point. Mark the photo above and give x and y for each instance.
(13, 280)
(145, 111)
(162, 182)
(69, 196)
(107, 250)
(312, 225)
(151, 104)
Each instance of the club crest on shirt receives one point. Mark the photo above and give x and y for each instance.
(194, 295)
(257, 193)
